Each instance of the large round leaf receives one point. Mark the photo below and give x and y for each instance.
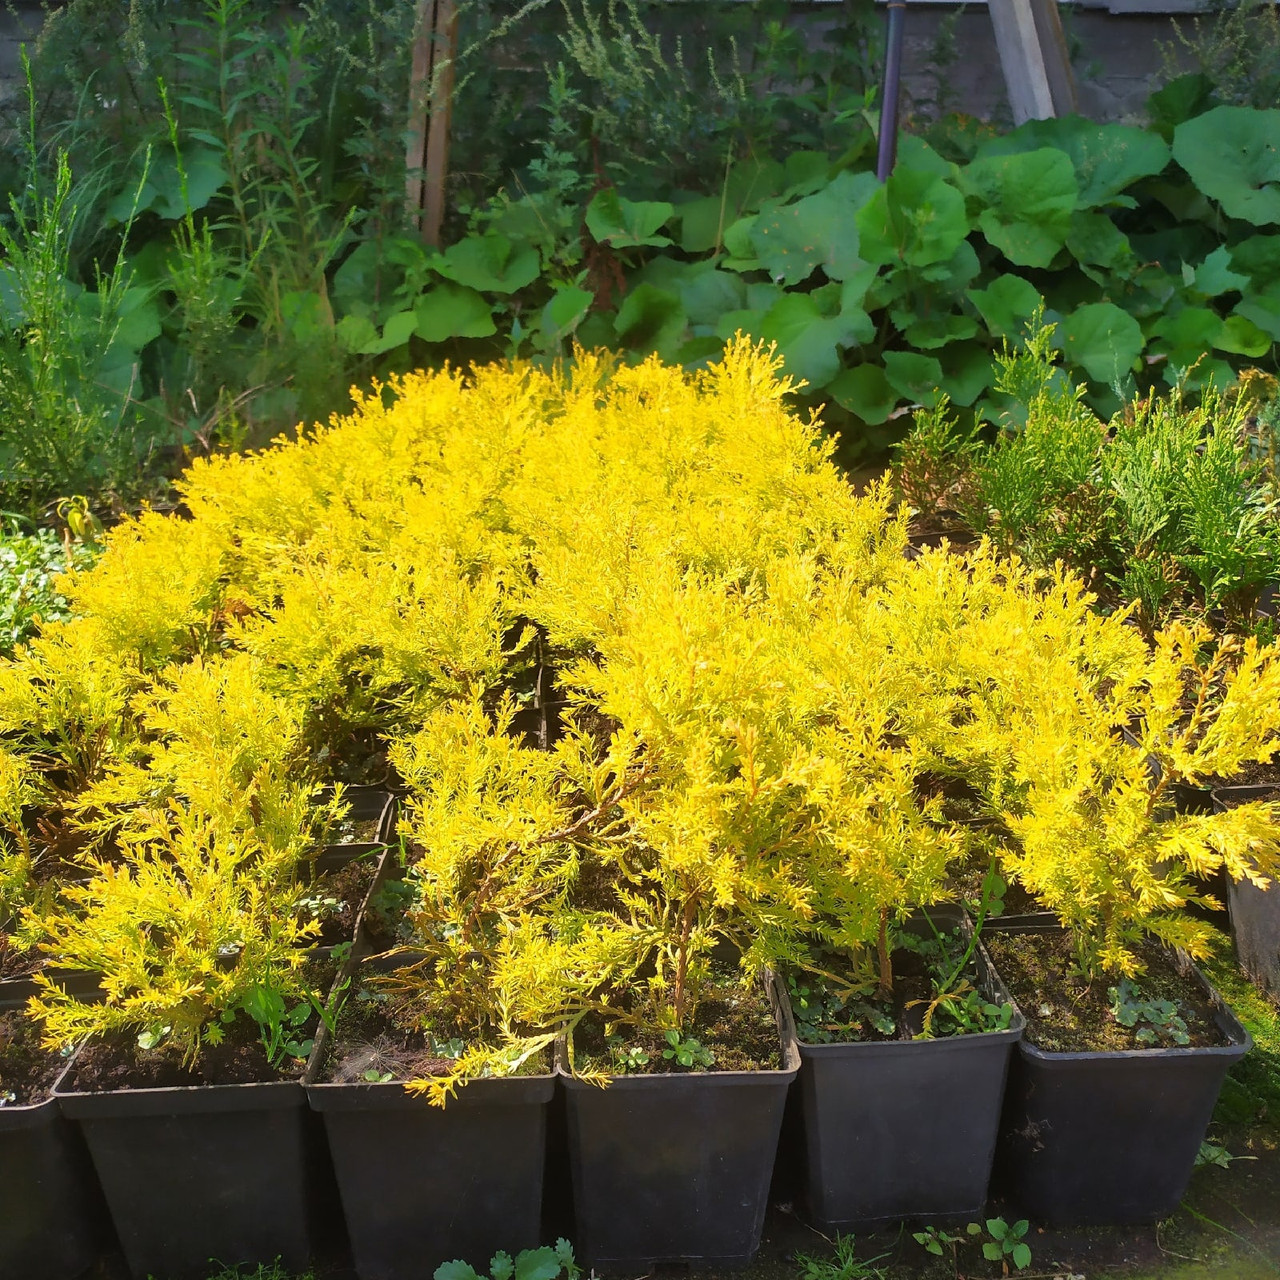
(1233, 157)
(452, 311)
(563, 314)
(627, 224)
(1107, 157)
(1006, 304)
(916, 218)
(819, 230)
(651, 319)
(919, 378)
(490, 263)
(1103, 340)
(1263, 308)
(810, 342)
(1028, 201)
(865, 391)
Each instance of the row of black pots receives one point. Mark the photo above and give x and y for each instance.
(171, 1162)
(663, 1168)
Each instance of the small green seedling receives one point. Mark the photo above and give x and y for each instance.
(688, 1053)
(1163, 1024)
(546, 1263)
(1006, 1244)
(628, 1057)
(937, 1241)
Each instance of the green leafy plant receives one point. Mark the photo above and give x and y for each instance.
(69, 421)
(844, 1264)
(688, 1052)
(1156, 1021)
(546, 1263)
(30, 563)
(279, 1026)
(263, 1271)
(1164, 506)
(1007, 1244)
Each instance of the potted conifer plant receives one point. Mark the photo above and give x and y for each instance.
(186, 1078)
(1126, 1044)
(435, 1080)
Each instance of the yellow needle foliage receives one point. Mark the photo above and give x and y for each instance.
(756, 680)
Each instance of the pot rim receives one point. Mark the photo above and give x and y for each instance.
(1227, 1022)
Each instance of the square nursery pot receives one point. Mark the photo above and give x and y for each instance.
(53, 1223)
(676, 1168)
(905, 1128)
(422, 1185)
(225, 1172)
(1255, 913)
(1107, 1138)
(368, 804)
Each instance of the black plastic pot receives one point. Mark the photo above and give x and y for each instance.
(905, 1129)
(422, 1185)
(676, 1168)
(53, 1224)
(367, 804)
(228, 1172)
(1255, 913)
(1096, 1138)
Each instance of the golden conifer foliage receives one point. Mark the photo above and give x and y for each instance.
(753, 680)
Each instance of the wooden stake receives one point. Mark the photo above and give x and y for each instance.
(1034, 57)
(445, 49)
(430, 108)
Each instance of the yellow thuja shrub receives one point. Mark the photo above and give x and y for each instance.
(66, 704)
(1039, 689)
(757, 677)
(155, 592)
(181, 931)
(213, 738)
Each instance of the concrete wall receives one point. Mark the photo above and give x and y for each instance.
(1116, 62)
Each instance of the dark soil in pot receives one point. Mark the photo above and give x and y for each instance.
(27, 1069)
(422, 1185)
(740, 1024)
(1066, 1013)
(1258, 773)
(896, 1127)
(675, 1166)
(16, 961)
(338, 896)
(53, 1221)
(1106, 1135)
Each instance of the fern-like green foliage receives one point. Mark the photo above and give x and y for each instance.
(1166, 505)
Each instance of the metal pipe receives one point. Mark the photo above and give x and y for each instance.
(891, 90)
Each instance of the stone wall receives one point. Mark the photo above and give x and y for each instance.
(1117, 58)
